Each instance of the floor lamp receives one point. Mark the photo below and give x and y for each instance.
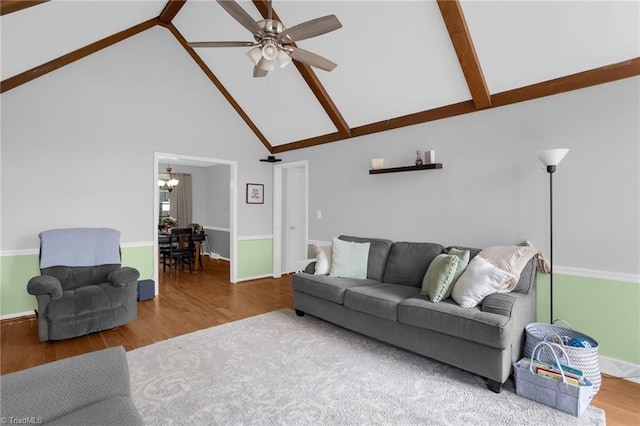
(551, 158)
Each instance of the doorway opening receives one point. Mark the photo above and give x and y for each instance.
(205, 185)
(290, 216)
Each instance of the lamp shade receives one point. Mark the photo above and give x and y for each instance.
(255, 54)
(266, 64)
(269, 51)
(283, 59)
(552, 157)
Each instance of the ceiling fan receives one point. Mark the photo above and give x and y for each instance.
(273, 42)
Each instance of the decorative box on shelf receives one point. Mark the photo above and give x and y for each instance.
(406, 168)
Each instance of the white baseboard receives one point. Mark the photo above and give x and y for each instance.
(17, 315)
(256, 277)
(622, 369)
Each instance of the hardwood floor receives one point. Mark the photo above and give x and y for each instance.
(191, 302)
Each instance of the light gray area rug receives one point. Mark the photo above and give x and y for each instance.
(277, 369)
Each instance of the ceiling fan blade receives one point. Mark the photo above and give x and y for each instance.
(240, 15)
(259, 72)
(312, 28)
(222, 43)
(310, 58)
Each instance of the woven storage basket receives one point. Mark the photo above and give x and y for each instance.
(585, 359)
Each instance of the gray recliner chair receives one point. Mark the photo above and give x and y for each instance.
(83, 287)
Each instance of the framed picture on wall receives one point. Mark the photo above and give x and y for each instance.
(255, 193)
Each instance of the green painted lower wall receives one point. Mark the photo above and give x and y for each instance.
(16, 271)
(255, 258)
(608, 311)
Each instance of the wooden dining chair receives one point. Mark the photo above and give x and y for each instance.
(180, 251)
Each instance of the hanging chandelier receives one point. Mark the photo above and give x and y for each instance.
(170, 183)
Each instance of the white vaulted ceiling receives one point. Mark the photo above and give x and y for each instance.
(397, 62)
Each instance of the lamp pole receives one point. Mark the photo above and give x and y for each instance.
(551, 169)
(551, 158)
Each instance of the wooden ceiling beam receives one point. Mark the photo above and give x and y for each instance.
(63, 60)
(10, 6)
(384, 125)
(203, 66)
(312, 80)
(170, 11)
(453, 17)
(581, 80)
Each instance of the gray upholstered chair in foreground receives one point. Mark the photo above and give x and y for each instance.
(89, 389)
(83, 288)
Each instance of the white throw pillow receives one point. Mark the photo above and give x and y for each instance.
(323, 258)
(479, 280)
(349, 259)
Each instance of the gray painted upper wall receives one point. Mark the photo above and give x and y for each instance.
(78, 143)
(492, 189)
(218, 197)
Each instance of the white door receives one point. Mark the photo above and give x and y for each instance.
(294, 218)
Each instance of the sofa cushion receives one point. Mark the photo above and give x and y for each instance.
(408, 262)
(379, 300)
(83, 300)
(326, 287)
(378, 254)
(74, 277)
(349, 259)
(448, 318)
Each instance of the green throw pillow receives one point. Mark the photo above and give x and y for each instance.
(349, 259)
(437, 281)
(464, 256)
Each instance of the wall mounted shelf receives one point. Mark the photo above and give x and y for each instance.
(406, 168)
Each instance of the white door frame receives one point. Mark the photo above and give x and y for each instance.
(277, 210)
(233, 209)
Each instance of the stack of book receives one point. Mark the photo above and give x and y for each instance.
(572, 375)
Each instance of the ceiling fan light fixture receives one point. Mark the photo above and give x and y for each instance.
(273, 42)
(266, 65)
(255, 55)
(283, 58)
(270, 51)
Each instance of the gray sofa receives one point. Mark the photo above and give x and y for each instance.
(387, 305)
(89, 389)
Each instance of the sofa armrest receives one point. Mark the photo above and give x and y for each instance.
(499, 303)
(45, 284)
(59, 388)
(122, 277)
